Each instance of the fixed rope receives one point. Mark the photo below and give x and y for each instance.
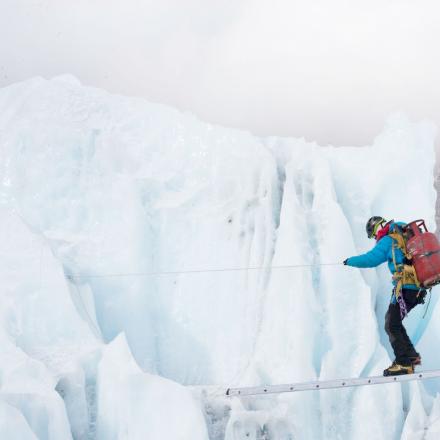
(199, 271)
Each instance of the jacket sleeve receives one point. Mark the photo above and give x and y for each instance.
(373, 258)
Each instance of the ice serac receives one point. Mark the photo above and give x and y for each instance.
(128, 205)
(13, 424)
(41, 333)
(136, 405)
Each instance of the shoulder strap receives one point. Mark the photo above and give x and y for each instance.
(404, 273)
(399, 242)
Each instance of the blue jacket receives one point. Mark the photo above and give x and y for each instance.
(382, 253)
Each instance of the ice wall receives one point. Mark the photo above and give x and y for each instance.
(114, 211)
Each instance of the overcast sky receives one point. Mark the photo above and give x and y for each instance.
(328, 70)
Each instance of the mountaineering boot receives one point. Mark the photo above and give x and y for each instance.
(396, 370)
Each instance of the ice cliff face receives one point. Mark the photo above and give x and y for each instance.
(111, 327)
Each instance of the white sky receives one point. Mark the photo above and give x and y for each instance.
(328, 70)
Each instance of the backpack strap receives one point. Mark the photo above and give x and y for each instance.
(404, 273)
(400, 243)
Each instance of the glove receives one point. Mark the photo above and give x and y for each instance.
(345, 262)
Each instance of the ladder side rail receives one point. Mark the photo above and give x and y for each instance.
(331, 384)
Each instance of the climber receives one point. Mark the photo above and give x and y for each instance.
(406, 292)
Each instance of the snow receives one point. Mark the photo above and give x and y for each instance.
(114, 211)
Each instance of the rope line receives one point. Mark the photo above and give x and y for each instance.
(427, 305)
(199, 271)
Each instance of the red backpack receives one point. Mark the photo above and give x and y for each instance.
(423, 249)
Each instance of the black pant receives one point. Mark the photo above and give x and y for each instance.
(402, 345)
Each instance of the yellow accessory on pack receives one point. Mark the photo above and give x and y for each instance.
(404, 273)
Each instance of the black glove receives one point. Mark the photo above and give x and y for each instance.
(345, 262)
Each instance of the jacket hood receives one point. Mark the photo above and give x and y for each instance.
(384, 231)
(389, 227)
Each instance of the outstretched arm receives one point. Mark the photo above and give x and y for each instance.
(373, 258)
